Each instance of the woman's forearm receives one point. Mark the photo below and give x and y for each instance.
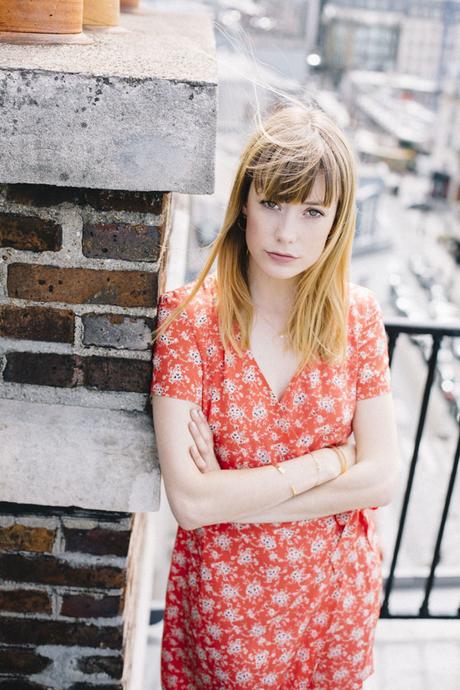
(360, 487)
(227, 495)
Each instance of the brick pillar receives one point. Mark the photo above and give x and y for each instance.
(86, 141)
(79, 277)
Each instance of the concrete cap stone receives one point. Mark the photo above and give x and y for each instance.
(133, 110)
(66, 455)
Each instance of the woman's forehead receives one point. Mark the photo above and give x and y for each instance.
(316, 194)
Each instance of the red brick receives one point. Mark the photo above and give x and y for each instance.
(123, 241)
(100, 199)
(24, 538)
(20, 660)
(118, 374)
(97, 541)
(82, 285)
(86, 686)
(52, 571)
(29, 232)
(69, 371)
(43, 369)
(25, 601)
(21, 684)
(84, 606)
(111, 665)
(63, 633)
(37, 323)
(120, 200)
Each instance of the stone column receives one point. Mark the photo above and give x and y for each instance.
(94, 141)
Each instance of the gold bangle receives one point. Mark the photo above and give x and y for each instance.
(315, 460)
(342, 459)
(279, 468)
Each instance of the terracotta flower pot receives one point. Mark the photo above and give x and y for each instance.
(101, 13)
(129, 4)
(41, 16)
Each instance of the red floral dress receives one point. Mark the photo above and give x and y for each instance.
(285, 605)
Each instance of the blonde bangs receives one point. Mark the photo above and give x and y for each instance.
(287, 175)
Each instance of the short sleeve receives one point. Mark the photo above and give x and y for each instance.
(373, 370)
(177, 365)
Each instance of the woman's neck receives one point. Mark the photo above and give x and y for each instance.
(272, 295)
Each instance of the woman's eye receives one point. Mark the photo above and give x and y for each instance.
(265, 201)
(314, 211)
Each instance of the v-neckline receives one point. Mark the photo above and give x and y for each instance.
(279, 401)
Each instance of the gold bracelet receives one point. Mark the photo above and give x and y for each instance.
(315, 460)
(281, 469)
(342, 459)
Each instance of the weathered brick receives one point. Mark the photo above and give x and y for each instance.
(82, 285)
(37, 323)
(97, 541)
(69, 371)
(24, 538)
(84, 606)
(25, 601)
(111, 665)
(122, 241)
(52, 571)
(86, 686)
(29, 232)
(43, 369)
(20, 660)
(63, 633)
(118, 331)
(100, 199)
(21, 684)
(118, 374)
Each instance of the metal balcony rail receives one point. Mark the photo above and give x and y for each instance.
(394, 327)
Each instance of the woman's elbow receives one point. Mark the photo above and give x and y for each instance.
(182, 511)
(389, 487)
(188, 510)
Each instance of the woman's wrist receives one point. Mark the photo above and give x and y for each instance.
(329, 463)
(304, 472)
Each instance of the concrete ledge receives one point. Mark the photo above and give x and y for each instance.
(60, 455)
(135, 110)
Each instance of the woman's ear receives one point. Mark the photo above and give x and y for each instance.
(244, 210)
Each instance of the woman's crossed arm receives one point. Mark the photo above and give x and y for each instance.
(198, 497)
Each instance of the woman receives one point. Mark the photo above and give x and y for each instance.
(262, 371)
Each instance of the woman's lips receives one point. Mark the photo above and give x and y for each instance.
(281, 258)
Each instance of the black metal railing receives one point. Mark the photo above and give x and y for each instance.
(394, 328)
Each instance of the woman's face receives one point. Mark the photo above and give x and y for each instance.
(287, 238)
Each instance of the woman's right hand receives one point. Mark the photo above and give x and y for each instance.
(202, 450)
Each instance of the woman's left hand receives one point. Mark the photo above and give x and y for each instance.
(202, 450)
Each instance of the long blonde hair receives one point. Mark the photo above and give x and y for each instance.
(283, 157)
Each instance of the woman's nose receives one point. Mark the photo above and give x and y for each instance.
(285, 229)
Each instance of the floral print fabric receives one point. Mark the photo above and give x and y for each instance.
(287, 605)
